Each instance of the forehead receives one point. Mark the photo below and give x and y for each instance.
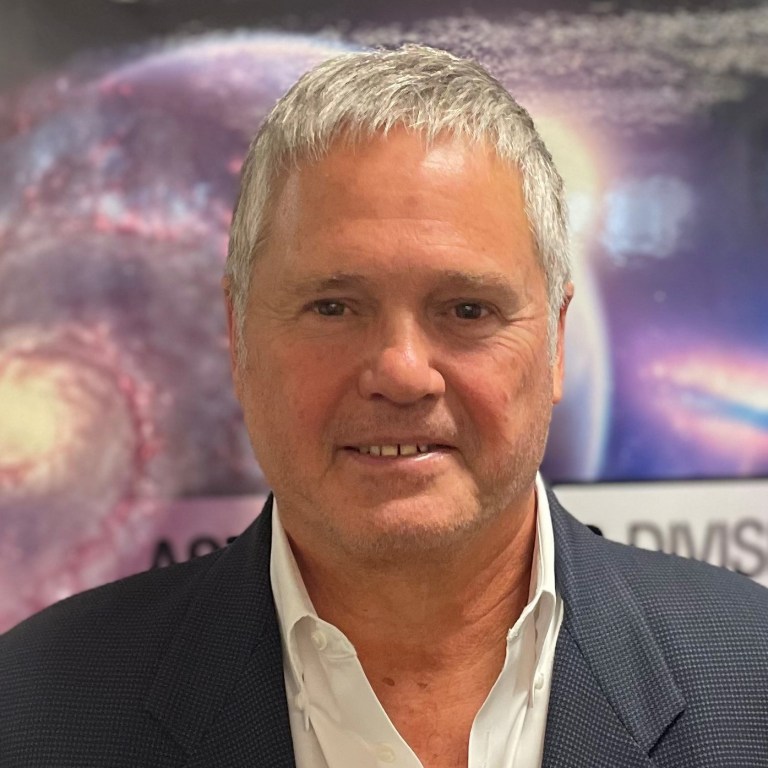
(396, 196)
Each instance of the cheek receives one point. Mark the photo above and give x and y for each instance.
(503, 399)
(302, 385)
(491, 408)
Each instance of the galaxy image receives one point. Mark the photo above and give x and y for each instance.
(118, 172)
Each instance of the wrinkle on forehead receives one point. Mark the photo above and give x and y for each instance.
(397, 197)
(430, 167)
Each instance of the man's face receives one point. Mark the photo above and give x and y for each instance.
(397, 387)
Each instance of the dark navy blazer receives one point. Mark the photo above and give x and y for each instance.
(659, 662)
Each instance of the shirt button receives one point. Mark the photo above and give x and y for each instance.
(319, 640)
(385, 753)
(539, 682)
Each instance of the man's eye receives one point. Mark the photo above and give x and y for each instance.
(329, 308)
(470, 310)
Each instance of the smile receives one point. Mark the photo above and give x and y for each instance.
(395, 450)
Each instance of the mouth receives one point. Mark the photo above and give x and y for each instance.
(395, 450)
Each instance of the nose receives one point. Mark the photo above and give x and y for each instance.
(398, 364)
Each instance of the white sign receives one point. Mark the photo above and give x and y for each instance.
(721, 522)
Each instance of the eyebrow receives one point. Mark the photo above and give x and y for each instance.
(334, 281)
(455, 279)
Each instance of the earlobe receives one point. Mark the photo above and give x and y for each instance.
(558, 368)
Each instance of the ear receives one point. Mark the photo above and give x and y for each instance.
(558, 368)
(234, 362)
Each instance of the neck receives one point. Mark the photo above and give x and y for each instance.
(427, 613)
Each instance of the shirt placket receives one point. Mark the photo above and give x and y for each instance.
(347, 718)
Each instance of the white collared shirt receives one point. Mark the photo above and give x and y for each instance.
(336, 719)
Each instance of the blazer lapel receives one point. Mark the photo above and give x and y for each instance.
(220, 689)
(612, 695)
(583, 729)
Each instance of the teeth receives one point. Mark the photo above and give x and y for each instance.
(394, 450)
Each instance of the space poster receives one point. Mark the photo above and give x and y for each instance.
(121, 139)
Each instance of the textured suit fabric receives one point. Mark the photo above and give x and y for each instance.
(659, 662)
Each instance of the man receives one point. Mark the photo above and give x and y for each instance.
(397, 289)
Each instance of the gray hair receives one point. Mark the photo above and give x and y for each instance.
(368, 92)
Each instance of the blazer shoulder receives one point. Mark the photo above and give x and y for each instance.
(679, 585)
(73, 678)
(114, 626)
(84, 681)
(662, 583)
(710, 623)
(692, 609)
(677, 647)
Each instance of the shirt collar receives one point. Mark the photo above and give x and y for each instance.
(543, 566)
(542, 595)
(293, 603)
(292, 600)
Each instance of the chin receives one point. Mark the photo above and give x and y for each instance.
(406, 527)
